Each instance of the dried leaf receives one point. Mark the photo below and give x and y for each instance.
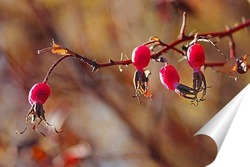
(60, 51)
(57, 49)
(154, 38)
(141, 84)
(230, 68)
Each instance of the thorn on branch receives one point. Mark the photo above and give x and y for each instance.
(93, 64)
(112, 62)
(231, 43)
(94, 69)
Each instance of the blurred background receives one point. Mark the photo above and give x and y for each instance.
(102, 125)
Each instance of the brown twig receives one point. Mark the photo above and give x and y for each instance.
(219, 34)
(57, 49)
(46, 78)
(183, 27)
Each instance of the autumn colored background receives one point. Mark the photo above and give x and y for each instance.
(102, 125)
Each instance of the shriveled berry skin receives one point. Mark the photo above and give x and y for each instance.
(39, 93)
(196, 56)
(169, 77)
(141, 57)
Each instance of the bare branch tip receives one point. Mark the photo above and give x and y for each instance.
(44, 50)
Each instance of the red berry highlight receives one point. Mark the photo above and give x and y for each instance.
(39, 93)
(141, 57)
(196, 56)
(169, 77)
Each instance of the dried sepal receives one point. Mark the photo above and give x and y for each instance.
(36, 112)
(234, 66)
(141, 84)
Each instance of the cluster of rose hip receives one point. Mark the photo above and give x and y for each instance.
(141, 57)
(168, 74)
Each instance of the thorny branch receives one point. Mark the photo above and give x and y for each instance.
(220, 34)
(154, 42)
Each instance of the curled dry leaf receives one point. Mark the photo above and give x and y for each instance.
(230, 68)
(234, 66)
(56, 49)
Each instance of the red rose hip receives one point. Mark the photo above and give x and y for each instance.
(39, 93)
(141, 57)
(196, 56)
(169, 77)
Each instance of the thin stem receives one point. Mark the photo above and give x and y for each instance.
(219, 34)
(172, 45)
(156, 42)
(74, 55)
(111, 63)
(218, 64)
(46, 78)
(212, 43)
